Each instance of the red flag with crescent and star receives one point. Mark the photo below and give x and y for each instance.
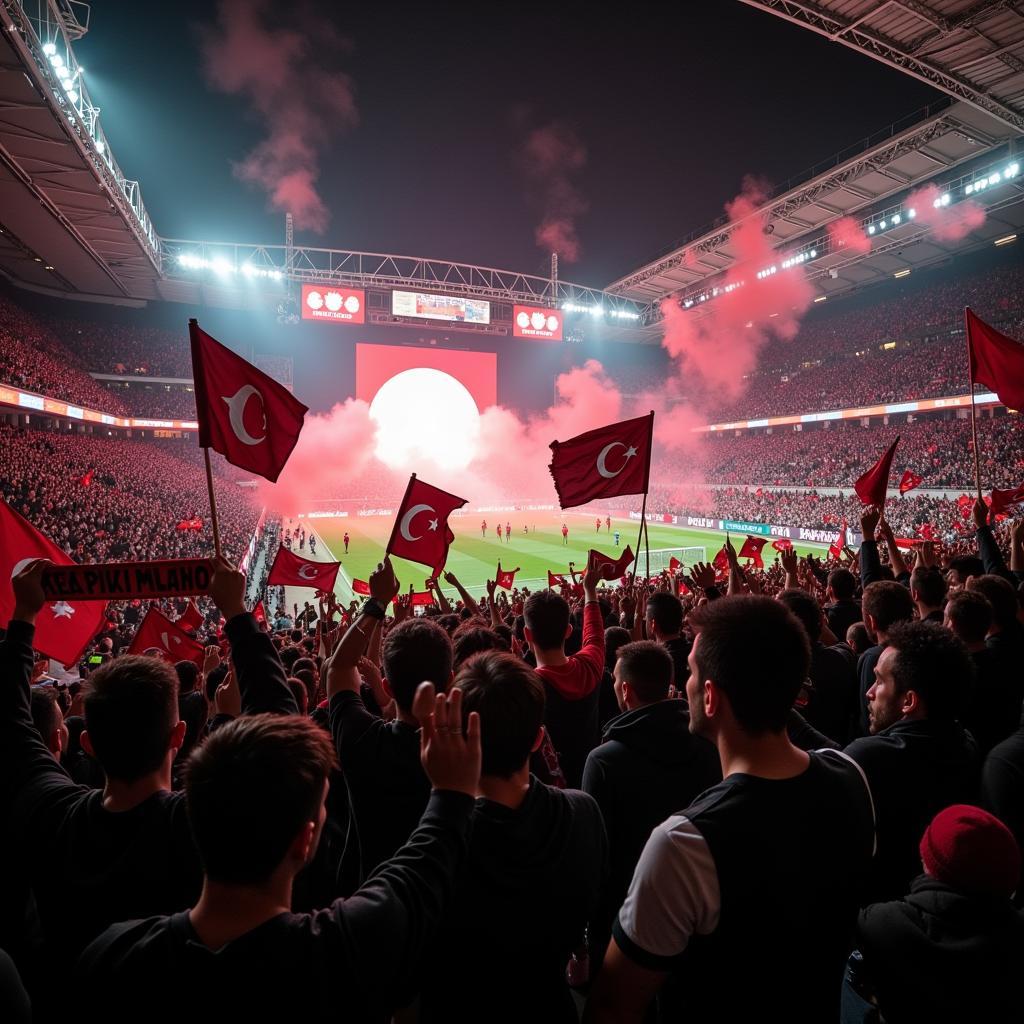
(191, 618)
(63, 628)
(1002, 500)
(248, 417)
(292, 571)
(603, 463)
(505, 577)
(421, 532)
(161, 636)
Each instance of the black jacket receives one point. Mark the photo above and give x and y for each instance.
(938, 955)
(914, 769)
(649, 767)
(1002, 788)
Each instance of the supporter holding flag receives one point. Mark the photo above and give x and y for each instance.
(421, 532)
(871, 487)
(505, 577)
(752, 549)
(909, 481)
(837, 546)
(556, 579)
(291, 570)
(158, 634)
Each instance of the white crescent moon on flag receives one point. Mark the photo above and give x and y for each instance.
(602, 468)
(21, 565)
(167, 642)
(403, 526)
(312, 575)
(236, 406)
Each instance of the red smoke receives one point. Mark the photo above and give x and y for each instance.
(846, 233)
(551, 157)
(304, 106)
(948, 223)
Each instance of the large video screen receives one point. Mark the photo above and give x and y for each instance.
(476, 371)
(440, 307)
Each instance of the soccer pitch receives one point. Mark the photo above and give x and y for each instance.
(474, 558)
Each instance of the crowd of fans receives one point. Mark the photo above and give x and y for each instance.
(156, 401)
(127, 349)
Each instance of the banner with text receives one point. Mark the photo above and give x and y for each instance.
(328, 302)
(125, 581)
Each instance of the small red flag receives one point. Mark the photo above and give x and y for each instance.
(86, 480)
(361, 587)
(603, 463)
(192, 617)
(909, 481)
(927, 531)
(752, 549)
(158, 634)
(421, 532)
(505, 577)
(836, 548)
(674, 564)
(259, 614)
(611, 568)
(248, 417)
(996, 361)
(1002, 500)
(292, 571)
(721, 560)
(421, 600)
(782, 544)
(63, 628)
(556, 579)
(683, 589)
(871, 487)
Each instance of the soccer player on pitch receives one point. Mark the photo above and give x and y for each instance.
(346, 543)
(565, 534)
(483, 528)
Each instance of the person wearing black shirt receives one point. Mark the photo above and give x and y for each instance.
(842, 611)
(256, 794)
(665, 624)
(538, 859)
(753, 888)
(1002, 788)
(928, 592)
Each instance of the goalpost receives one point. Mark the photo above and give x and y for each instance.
(661, 557)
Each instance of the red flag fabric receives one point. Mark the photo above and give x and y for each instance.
(872, 485)
(603, 463)
(505, 577)
(248, 417)
(63, 628)
(86, 480)
(361, 587)
(752, 549)
(421, 599)
(996, 361)
(421, 532)
(157, 633)
(721, 560)
(927, 531)
(259, 613)
(682, 589)
(1002, 500)
(292, 571)
(836, 548)
(782, 544)
(612, 568)
(674, 565)
(556, 580)
(192, 617)
(909, 481)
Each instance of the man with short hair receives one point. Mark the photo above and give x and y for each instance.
(842, 610)
(1006, 634)
(753, 888)
(256, 794)
(570, 683)
(536, 868)
(885, 604)
(48, 720)
(648, 766)
(665, 625)
(928, 592)
(918, 758)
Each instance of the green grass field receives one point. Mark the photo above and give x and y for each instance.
(474, 559)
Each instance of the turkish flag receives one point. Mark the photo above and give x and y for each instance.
(909, 481)
(721, 560)
(603, 463)
(63, 629)
(674, 564)
(836, 548)
(872, 485)
(245, 415)
(1002, 500)
(361, 587)
(996, 361)
(158, 633)
(421, 599)
(505, 577)
(556, 579)
(927, 531)
(292, 571)
(752, 549)
(192, 618)
(259, 614)
(782, 544)
(611, 569)
(421, 533)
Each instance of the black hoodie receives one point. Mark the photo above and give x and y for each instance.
(649, 767)
(533, 881)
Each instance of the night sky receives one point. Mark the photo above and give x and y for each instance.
(674, 108)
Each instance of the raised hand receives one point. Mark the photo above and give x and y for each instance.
(29, 597)
(703, 575)
(227, 588)
(869, 521)
(383, 583)
(788, 558)
(980, 511)
(228, 698)
(450, 759)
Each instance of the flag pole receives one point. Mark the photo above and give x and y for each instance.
(642, 536)
(213, 504)
(974, 415)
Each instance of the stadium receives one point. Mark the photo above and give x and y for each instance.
(806, 347)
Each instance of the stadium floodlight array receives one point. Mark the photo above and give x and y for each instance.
(598, 310)
(222, 266)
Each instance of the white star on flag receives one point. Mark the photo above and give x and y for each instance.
(630, 452)
(62, 610)
(433, 524)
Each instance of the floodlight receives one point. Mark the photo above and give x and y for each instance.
(56, 60)
(49, 49)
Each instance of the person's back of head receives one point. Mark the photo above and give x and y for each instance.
(1000, 595)
(509, 697)
(546, 615)
(299, 692)
(733, 634)
(928, 586)
(643, 673)
(858, 638)
(806, 609)
(885, 603)
(304, 664)
(472, 638)
(295, 636)
(665, 612)
(255, 791)
(188, 674)
(969, 616)
(843, 584)
(963, 567)
(415, 651)
(131, 716)
(615, 637)
(928, 660)
(48, 719)
(289, 656)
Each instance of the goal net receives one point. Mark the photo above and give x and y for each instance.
(661, 557)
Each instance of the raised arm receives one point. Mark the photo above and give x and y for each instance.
(988, 547)
(467, 599)
(870, 564)
(896, 559)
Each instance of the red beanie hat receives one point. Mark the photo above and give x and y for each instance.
(970, 850)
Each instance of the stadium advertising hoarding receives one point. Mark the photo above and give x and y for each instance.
(334, 304)
(732, 526)
(426, 306)
(536, 324)
(768, 530)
